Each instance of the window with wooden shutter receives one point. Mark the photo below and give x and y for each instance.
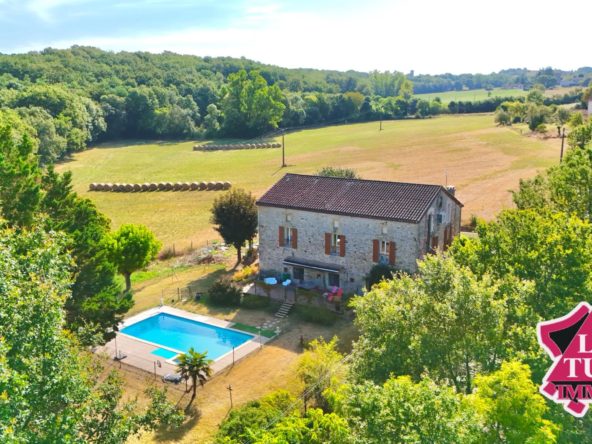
(392, 253)
(294, 238)
(342, 246)
(434, 242)
(281, 236)
(375, 251)
(327, 243)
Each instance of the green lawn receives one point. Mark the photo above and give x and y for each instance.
(481, 94)
(478, 155)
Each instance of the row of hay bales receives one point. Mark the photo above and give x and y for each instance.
(162, 186)
(246, 146)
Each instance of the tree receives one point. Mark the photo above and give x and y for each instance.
(536, 115)
(536, 96)
(551, 250)
(562, 116)
(329, 171)
(211, 120)
(512, 409)
(402, 411)
(564, 187)
(131, 248)
(196, 366)
(96, 299)
(52, 388)
(318, 367)
(236, 217)
(378, 273)
(315, 427)
(20, 188)
(251, 107)
(576, 119)
(446, 320)
(224, 292)
(580, 136)
(502, 117)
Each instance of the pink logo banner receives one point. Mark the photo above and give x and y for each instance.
(568, 341)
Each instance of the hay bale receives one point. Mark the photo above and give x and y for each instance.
(178, 186)
(203, 186)
(108, 187)
(161, 186)
(153, 186)
(92, 187)
(227, 185)
(115, 187)
(194, 186)
(211, 186)
(169, 186)
(137, 187)
(268, 145)
(279, 145)
(129, 187)
(219, 185)
(100, 187)
(185, 186)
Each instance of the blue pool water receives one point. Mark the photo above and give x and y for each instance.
(182, 334)
(164, 353)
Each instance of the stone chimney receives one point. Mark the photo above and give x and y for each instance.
(451, 189)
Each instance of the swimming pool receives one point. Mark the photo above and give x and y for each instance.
(181, 334)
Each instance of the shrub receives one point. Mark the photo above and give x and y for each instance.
(379, 272)
(254, 301)
(330, 171)
(245, 273)
(316, 315)
(225, 293)
(542, 128)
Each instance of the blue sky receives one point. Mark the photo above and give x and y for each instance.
(431, 36)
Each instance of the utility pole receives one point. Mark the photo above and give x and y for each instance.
(230, 391)
(283, 152)
(562, 141)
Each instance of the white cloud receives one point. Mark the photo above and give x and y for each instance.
(434, 38)
(44, 8)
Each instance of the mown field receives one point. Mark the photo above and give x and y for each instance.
(482, 160)
(481, 94)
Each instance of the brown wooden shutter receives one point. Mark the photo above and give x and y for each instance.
(392, 253)
(375, 251)
(294, 238)
(341, 246)
(281, 236)
(327, 243)
(435, 242)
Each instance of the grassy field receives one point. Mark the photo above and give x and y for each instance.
(483, 160)
(481, 94)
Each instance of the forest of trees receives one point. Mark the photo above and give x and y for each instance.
(67, 99)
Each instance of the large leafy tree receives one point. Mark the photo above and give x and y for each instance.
(565, 187)
(51, 389)
(404, 411)
(20, 189)
(96, 295)
(235, 214)
(552, 250)
(447, 320)
(250, 106)
(131, 248)
(29, 197)
(513, 411)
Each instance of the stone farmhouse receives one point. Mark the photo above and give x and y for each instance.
(328, 231)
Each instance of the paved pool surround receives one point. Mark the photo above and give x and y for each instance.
(140, 353)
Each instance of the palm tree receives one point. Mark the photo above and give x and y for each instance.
(196, 366)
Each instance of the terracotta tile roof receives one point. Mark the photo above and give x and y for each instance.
(374, 199)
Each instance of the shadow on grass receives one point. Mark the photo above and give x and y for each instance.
(192, 417)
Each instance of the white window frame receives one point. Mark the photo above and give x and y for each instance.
(384, 249)
(288, 237)
(335, 243)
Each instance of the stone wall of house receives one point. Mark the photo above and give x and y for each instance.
(452, 212)
(359, 235)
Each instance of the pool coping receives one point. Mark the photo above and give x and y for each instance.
(214, 322)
